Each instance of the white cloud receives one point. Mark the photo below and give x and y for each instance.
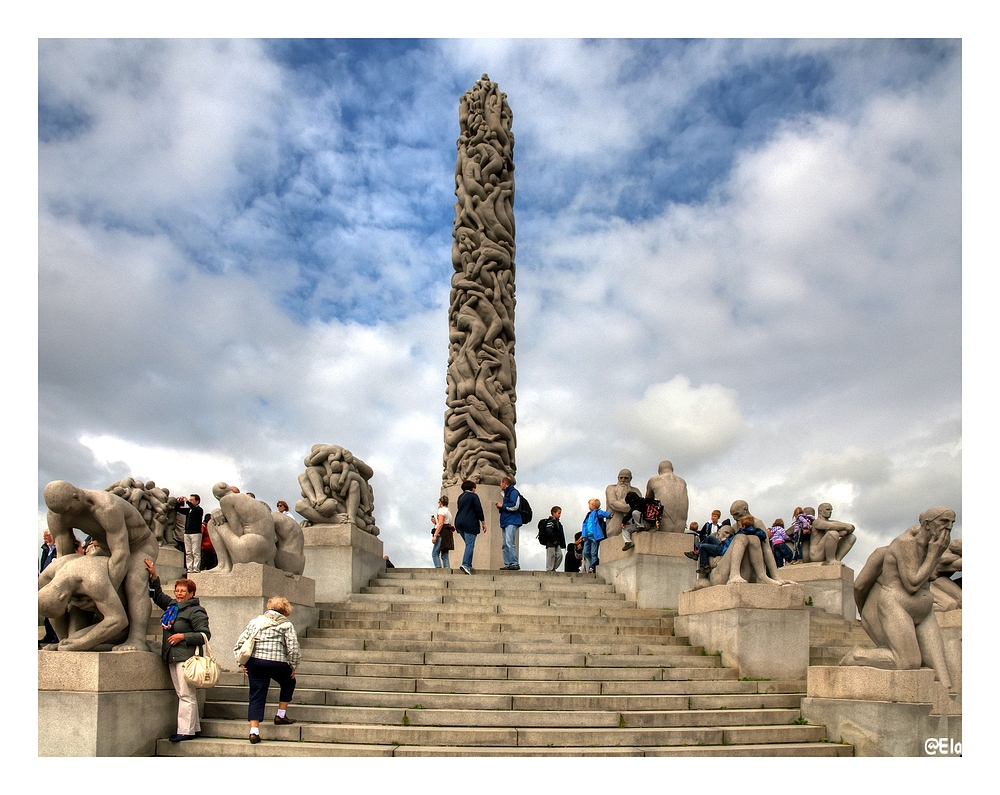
(687, 424)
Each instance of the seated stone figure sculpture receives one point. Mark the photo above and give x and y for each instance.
(121, 534)
(671, 491)
(241, 530)
(70, 591)
(748, 558)
(829, 540)
(893, 595)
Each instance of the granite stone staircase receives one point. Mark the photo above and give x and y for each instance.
(831, 637)
(427, 662)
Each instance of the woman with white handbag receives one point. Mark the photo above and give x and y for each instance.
(184, 622)
(269, 649)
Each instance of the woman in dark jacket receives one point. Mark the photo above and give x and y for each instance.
(184, 619)
(469, 518)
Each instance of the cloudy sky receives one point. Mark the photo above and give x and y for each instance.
(740, 255)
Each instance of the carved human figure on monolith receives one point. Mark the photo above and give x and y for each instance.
(479, 437)
(241, 529)
(70, 591)
(121, 534)
(893, 595)
(829, 540)
(672, 493)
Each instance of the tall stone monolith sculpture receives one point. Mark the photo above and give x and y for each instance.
(479, 437)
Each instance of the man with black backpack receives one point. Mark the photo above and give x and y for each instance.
(510, 520)
(550, 536)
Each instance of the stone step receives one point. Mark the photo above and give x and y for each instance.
(525, 681)
(668, 656)
(218, 747)
(494, 589)
(320, 639)
(498, 623)
(509, 672)
(516, 737)
(483, 701)
(497, 646)
(516, 718)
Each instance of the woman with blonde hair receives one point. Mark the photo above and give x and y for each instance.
(275, 656)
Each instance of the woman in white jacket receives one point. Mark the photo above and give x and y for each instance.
(275, 655)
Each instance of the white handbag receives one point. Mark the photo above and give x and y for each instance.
(202, 671)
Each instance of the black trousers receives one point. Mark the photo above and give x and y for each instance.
(260, 673)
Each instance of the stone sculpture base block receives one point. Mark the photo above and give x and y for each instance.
(883, 713)
(342, 559)
(488, 554)
(104, 703)
(761, 629)
(232, 599)
(831, 586)
(170, 564)
(951, 632)
(654, 573)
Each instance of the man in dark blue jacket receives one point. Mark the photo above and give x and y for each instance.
(510, 521)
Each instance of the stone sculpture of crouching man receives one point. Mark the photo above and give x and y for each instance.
(241, 529)
(894, 598)
(69, 590)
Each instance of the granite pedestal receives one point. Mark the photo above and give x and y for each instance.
(654, 572)
(882, 712)
(830, 585)
(170, 564)
(108, 703)
(232, 599)
(761, 629)
(951, 633)
(341, 559)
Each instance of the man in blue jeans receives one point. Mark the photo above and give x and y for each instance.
(510, 521)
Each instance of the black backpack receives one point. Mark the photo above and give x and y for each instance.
(525, 511)
(544, 536)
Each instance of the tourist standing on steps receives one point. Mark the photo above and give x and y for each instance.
(184, 621)
(469, 521)
(594, 524)
(276, 654)
(555, 540)
(441, 536)
(190, 507)
(510, 521)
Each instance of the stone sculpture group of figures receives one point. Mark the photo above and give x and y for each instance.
(336, 489)
(479, 438)
(112, 583)
(665, 487)
(245, 530)
(101, 600)
(157, 508)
